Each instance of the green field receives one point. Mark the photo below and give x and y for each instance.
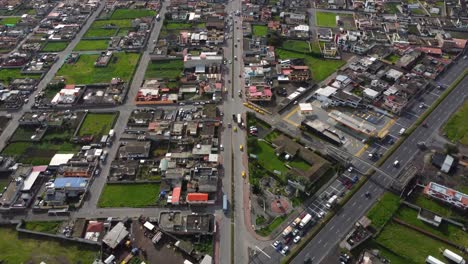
(7, 75)
(123, 13)
(83, 71)
(10, 20)
(267, 157)
(100, 33)
(393, 58)
(320, 68)
(445, 230)
(272, 226)
(411, 245)
(18, 248)
(54, 46)
(300, 164)
(438, 208)
(120, 23)
(167, 69)
(178, 26)
(383, 210)
(392, 8)
(51, 227)
(129, 195)
(326, 19)
(259, 30)
(85, 45)
(97, 124)
(296, 45)
(38, 153)
(457, 126)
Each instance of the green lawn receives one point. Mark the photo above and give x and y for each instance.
(7, 75)
(272, 226)
(299, 164)
(43, 226)
(21, 249)
(383, 210)
(129, 195)
(85, 45)
(54, 46)
(123, 13)
(393, 58)
(445, 230)
(178, 26)
(457, 126)
(296, 45)
(10, 20)
(272, 135)
(97, 124)
(166, 69)
(259, 30)
(320, 68)
(100, 33)
(83, 71)
(120, 23)
(326, 19)
(411, 245)
(438, 207)
(392, 8)
(268, 159)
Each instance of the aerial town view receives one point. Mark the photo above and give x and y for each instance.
(233, 131)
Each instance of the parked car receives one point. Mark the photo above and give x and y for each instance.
(297, 239)
(285, 250)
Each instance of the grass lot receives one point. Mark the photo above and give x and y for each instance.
(326, 19)
(445, 230)
(384, 209)
(83, 71)
(167, 69)
(272, 135)
(123, 13)
(438, 208)
(55, 46)
(178, 26)
(298, 163)
(129, 195)
(38, 153)
(85, 45)
(51, 227)
(272, 226)
(97, 124)
(7, 75)
(20, 249)
(10, 20)
(320, 68)
(418, 11)
(123, 32)
(268, 159)
(120, 23)
(296, 45)
(411, 245)
(392, 8)
(393, 58)
(457, 126)
(100, 33)
(259, 30)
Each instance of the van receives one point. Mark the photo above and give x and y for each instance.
(103, 156)
(331, 201)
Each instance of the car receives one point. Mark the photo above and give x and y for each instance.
(230, 61)
(287, 240)
(320, 214)
(276, 244)
(297, 239)
(422, 105)
(235, 57)
(396, 163)
(235, 45)
(285, 250)
(221, 147)
(229, 125)
(295, 232)
(464, 57)
(350, 169)
(402, 131)
(235, 129)
(241, 147)
(243, 174)
(96, 172)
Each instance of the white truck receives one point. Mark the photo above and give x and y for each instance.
(305, 221)
(239, 119)
(287, 231)
(331, 202)
(453, 257)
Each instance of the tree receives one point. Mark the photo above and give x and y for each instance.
(252, 143)
(275, 39)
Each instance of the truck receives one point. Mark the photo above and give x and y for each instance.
(305, 221)
(239, 119)
(111, 133)
(432, 260)
(453, 257)
(331, 201)
(287, 231)
(296, 221)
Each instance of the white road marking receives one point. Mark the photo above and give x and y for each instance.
(332, 227)
(353, 204)
(320, 241)
(263, 252)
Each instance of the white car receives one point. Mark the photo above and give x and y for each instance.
(402, 131)
(297, 239)
(320, 214)
(396, 163)
(350, 169)
(285, 250)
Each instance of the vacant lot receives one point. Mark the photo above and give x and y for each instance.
(85, 45)
(7, 75)
(259, 30)
(438, 207)
(411, 245)
(54, 46)
(83, 71)
(100, 33)
(383, 209)
(10, 20)
(51, 227)
(18, 248)
(112, 23)
(178, 26)
(457, 126)
(123, 13)
(129, 195)
(167, 69)
(38, 153)
(320, 68)
(296, 45)
(97, 124)
(326, 19)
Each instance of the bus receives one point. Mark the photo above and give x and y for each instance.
(225, 203)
